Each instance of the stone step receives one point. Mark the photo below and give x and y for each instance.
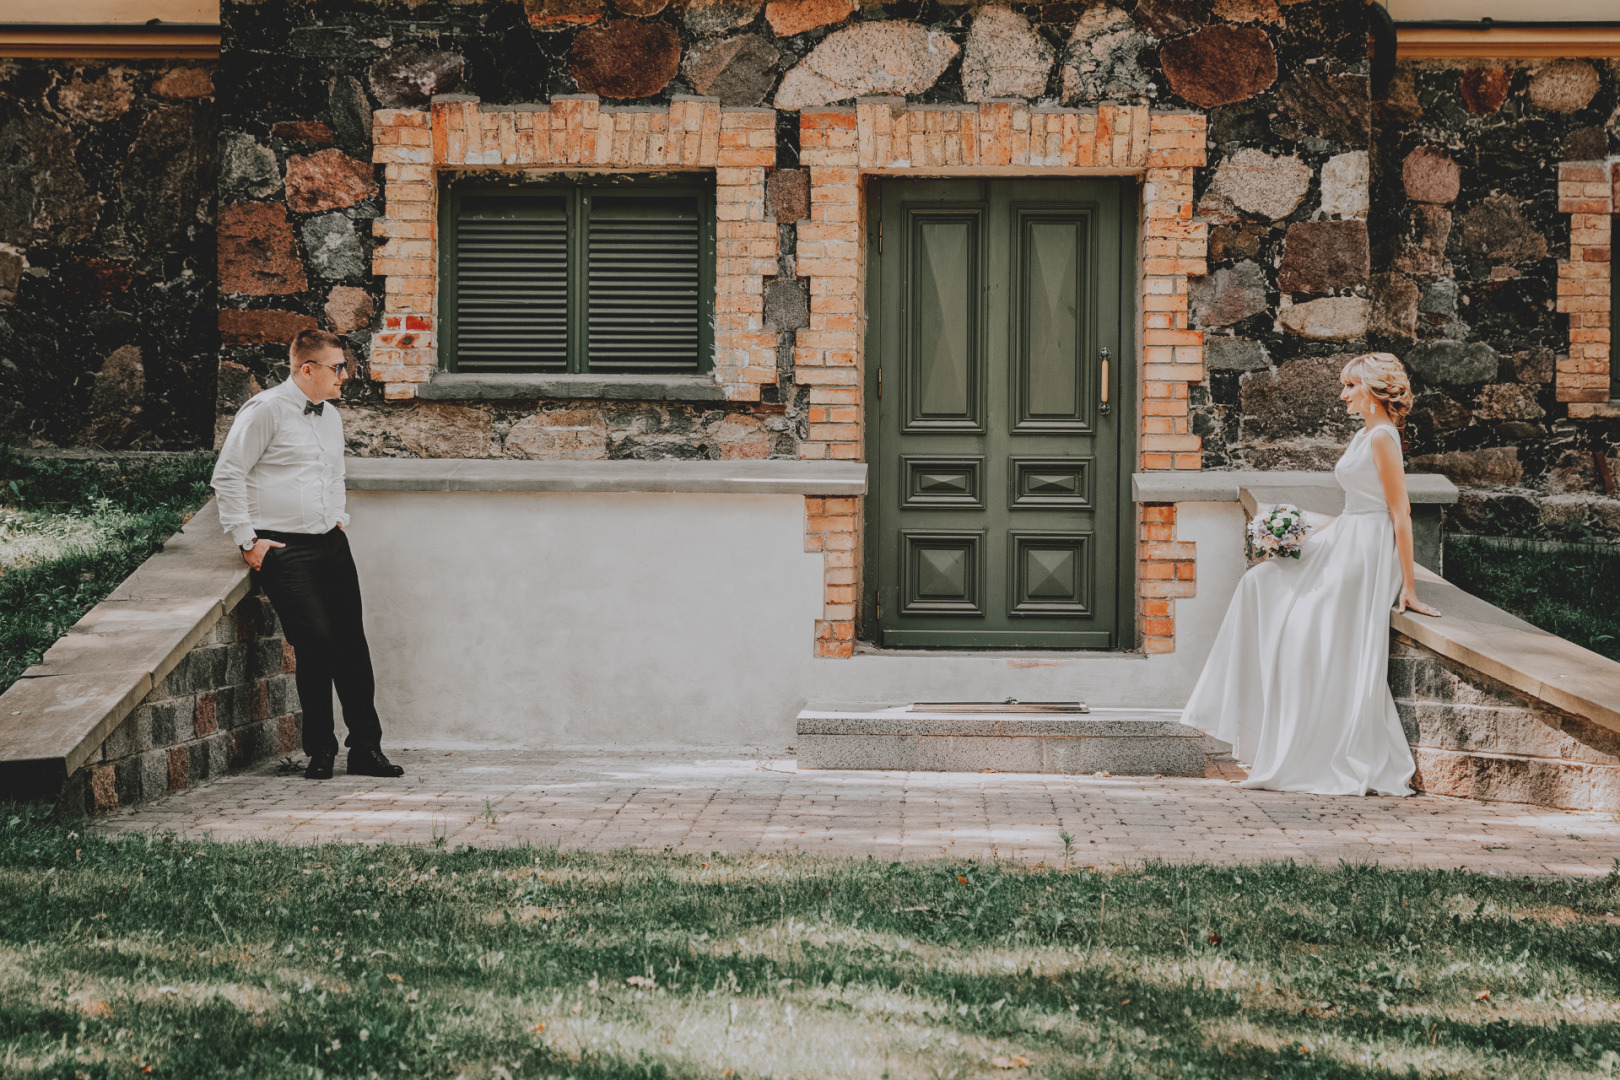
(904, 738)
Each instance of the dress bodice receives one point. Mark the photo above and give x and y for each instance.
(1358, 475)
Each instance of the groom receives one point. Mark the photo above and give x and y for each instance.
(281, 498)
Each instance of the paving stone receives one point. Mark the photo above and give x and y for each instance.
(704, 800)
(1100, 59)
(624, 59)
(1220, 64)
(866, 59)
(1004, 57)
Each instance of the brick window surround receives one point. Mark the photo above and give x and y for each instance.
(572, 132)
(1589, 192)
(888, 137)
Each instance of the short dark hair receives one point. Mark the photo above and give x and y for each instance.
(310, 344)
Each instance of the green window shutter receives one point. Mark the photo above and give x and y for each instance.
(511, 284)
(645, 306)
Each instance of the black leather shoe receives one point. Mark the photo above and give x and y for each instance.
(319, 767)
(366, 761)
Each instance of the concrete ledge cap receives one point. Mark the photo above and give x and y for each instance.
(445, 386)
(1490, 641)
(1172, 486)
(785, 477)
(898, 720)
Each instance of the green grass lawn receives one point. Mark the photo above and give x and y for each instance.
(70, 531)
(138, 956)
(1567, 589)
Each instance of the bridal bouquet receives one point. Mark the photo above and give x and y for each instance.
(1277, 534)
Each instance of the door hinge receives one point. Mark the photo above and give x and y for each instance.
(877, 597)
(880, 382)
(880, 236)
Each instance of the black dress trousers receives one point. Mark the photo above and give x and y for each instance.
(315, 590)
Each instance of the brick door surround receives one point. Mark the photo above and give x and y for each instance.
(1589, 192)
(890, 137)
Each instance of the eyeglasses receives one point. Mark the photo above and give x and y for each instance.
(339, 370)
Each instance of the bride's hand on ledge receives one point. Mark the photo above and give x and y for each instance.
(1409, 602)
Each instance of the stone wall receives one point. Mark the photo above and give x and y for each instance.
(1476, 738)
(1470, 238)
(107, 253)
(229, 703)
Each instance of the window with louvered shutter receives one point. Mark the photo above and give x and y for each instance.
(599, 274)
(511, 301)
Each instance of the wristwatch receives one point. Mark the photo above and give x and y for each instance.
(249, 545)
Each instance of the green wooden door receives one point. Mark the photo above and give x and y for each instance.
(994, 518)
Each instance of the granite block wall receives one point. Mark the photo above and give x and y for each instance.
(231, 702)
(107, 254)
(1477, 738)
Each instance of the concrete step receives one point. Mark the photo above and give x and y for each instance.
(902, 738)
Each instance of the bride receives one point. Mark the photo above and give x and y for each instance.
(1298, 679)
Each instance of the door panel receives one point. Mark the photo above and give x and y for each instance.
(993, 519)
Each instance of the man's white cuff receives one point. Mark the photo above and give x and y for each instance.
(242, 534)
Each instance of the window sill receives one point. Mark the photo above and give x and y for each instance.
(447, 386)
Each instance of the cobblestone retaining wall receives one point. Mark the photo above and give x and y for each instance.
(1476, 738)
(229, 703)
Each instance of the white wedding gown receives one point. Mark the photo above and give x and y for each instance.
(1298, 679)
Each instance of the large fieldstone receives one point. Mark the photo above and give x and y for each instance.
(117, 399)
(1508, 401)
(428, 429)
(185, 83)
(1496, 466)
(1334, 105)
(1496, 230)
(1220, 64)
(1332, 318)
(1439, 298)
(1484, 89)
(1564, 86)
(246, 169)
(43, 195)
(1299, 399)
(1438, 414)
(97, 100)
(868, 58)
(1422, 252)
(551, 16)
(333, 247)
(1229, 295)
(164, 176)
(1170, 18)
(1248, 11)
(790, 17)
(787, 304)
(641, 9)
(628, 58)
(11, 274)
(313, 132)
(1100, 59)
(409, 76)
(350, 112)
(1323, 256)
(1258, 183)
(257, 253)
(1004, 57)
(261, 326)
(1234, 354)
(787, 195)
(738, 70)
(328, 180)
(348, 308)
(1453, 363)
(568, 434)
(718, 16)
(1395, 299)
(235, 385)
(1345, 185)
(1430, 175)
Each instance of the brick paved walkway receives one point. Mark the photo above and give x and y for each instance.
(743, 801)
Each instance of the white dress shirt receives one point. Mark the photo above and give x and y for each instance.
(281, 468)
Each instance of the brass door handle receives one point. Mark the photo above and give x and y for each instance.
(1102, 405)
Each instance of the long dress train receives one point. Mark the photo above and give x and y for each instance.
(1298, 679)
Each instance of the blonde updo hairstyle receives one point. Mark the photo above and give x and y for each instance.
(1382, 373)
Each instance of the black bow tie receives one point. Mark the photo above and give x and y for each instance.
(314, 407)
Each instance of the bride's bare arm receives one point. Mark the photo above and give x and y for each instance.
(1388, 461)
